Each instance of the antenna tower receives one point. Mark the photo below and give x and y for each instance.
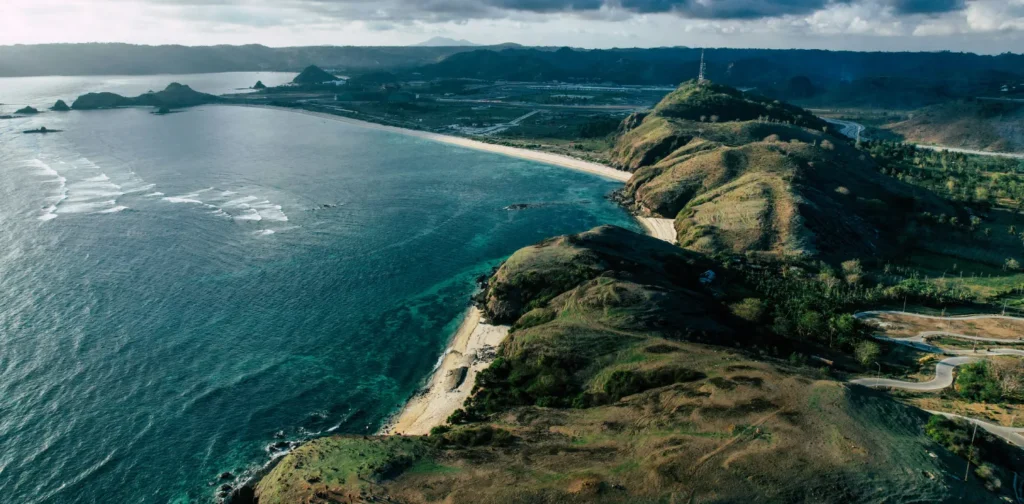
(703, 67)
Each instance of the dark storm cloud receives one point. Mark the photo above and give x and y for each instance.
(462, 10)
(927, 6)
(727, 9)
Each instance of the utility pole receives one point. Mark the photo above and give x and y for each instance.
(878, 377)
(970, 453)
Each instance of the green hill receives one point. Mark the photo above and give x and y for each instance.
(174, 96)
(313, 75)
(744, 174)
(625, 380)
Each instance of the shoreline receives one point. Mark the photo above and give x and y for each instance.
(472, 349)
(474, 345)
(517, 152)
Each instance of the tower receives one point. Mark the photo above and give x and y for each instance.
(703, 67)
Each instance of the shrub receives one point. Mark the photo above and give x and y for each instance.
(624, 383)
(975, 382)
(867, 352)
(473, 436)
(750, 309)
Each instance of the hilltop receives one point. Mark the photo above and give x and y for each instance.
(741, 173)
(313, 75)
(625, 379)
(174, 96)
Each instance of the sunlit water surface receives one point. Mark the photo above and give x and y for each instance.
(177, 289)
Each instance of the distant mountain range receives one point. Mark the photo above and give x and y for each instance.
(810, 77)
(446, 42)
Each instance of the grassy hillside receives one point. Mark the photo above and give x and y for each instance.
(985, 125)
(626, 380)
(745, 174)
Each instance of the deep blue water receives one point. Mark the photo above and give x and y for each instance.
(175, 291)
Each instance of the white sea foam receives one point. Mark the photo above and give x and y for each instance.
(270, 212)
(153, 195)
(116, 209)
(249, 215)
(61, 191)
(240, 202)
(187, 198)
(86, 207)
(265, 232)
(77, 194)
(99, 178)
(132, 190)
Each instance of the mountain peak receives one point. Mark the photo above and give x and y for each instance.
(313, 75)
(446, 42)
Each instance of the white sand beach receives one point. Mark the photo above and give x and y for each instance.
(474, 344)
(471, 350)
(662, 229)
(540, 157)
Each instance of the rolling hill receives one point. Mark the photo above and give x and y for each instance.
(986, 125)
(741, 173)
(625, 380)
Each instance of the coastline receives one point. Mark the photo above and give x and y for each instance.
(472, 349)
(473, 346)
(531, 155)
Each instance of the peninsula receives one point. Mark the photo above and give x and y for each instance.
(616, 367)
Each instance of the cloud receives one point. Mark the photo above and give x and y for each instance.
(451, 10)
(928, 6)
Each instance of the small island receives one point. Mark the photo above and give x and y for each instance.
(60, 106)
(42, 130)
(259, 85)
(174, 96)
(29, 110)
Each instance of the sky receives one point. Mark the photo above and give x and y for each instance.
(982, 26)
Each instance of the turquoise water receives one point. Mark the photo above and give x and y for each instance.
(177, 289)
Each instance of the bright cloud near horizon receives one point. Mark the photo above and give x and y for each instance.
(982, 26)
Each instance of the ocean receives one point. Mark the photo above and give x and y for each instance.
(180, 292)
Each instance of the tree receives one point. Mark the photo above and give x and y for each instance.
(852, 271)
(1011, 265)
(809, 324)
(867, 352)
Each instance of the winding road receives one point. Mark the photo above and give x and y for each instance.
(1012, 435)
(854, 130)
(944, 368)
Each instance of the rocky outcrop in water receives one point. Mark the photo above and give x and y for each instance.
(27, 111)
(60, 106)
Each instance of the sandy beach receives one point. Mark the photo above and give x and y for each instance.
(540, 157)
(474, 344)
(472, 349)
(662, 229)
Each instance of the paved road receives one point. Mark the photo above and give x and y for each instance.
(1010, 434)
(854, 130)
(848, 129)
(971, 151)
(944, 368)
(865, 314)
(943, 377)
